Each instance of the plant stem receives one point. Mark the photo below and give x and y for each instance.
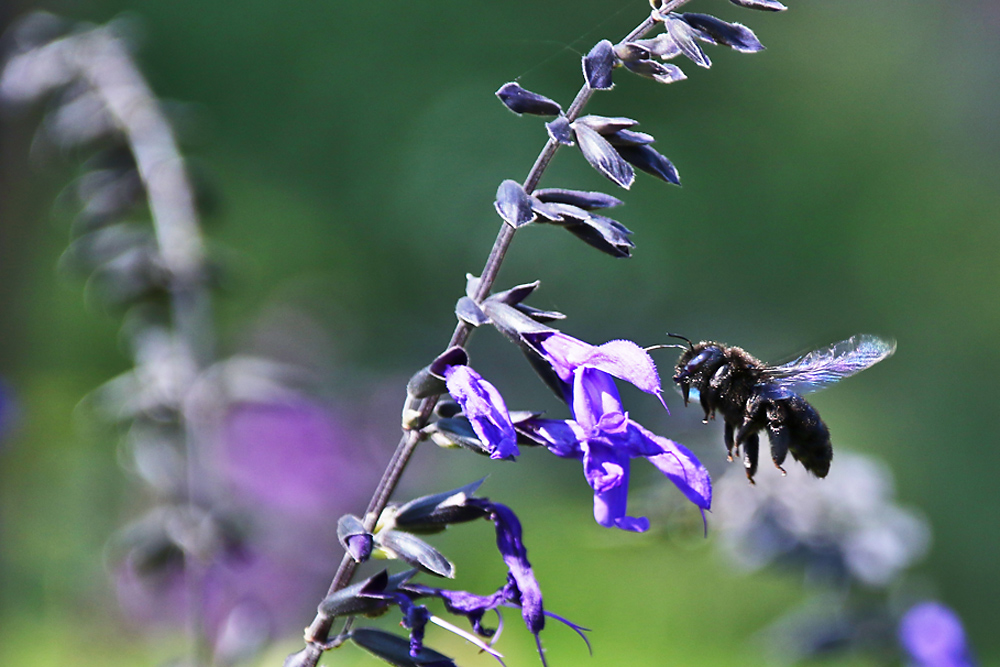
(318, 632)
(106, 65)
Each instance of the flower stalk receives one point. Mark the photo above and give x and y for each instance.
(316, 635)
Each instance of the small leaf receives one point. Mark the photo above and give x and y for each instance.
(650, 161)
(559, 130)
(471, 285)
(396, 650)
(540, 315)
(513, 205)
(659, 72)
(588, 201)
(469, 312)
(598, 64)
(415, 551)
(516, 294)
(520, 100)
(602, 156)
(734, 35)
(763, 5)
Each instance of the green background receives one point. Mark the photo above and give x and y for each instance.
(842, 181)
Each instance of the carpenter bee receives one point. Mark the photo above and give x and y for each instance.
(753, 396)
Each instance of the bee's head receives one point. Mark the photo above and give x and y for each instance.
(694, 362)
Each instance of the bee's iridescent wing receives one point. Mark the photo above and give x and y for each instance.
(821, 368)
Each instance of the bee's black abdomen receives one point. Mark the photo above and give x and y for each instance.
(794, 426)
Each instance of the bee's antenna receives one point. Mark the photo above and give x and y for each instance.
(664, 347)
(683, 338)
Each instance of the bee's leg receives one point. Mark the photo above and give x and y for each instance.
(705, 405)
(728, 436)
(780, 438)
(750, 448)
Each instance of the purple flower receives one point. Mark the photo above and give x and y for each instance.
(520, 590)
(481, 404)
(933, 636)
(601, 434)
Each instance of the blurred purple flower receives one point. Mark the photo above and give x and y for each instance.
(288, 457)
(933, 636)
(601, 433)
(847, 528)
(264, 552)
(8, 410)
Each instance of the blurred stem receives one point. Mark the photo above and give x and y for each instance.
(318, 632)
(105, 63)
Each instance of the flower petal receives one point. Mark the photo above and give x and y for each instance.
(560, 436)
(608, 474)
(680, 466)
(485, 409)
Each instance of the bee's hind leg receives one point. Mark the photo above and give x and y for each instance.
(730, 443)
(777, 433)
(751, 446)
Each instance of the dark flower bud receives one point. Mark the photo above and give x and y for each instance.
(520, 100)
(432, 514)
(363, 598)
(396, 650)
(663, 46)
(605, 235)
(605, 124)
(629, 137)
(734, 35)
(446, 408)
(512, 204)
(560, 131)
(764, 5)
(588, 201)
(597, 65)
(455, 432)
(354, 538)
(511, 322)
(659, 72)
(424, 384)
(453, 356)
(684, 35)
(602, 156)
(630, 51)
(469, 312)
(414, 551)
(650, 161)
